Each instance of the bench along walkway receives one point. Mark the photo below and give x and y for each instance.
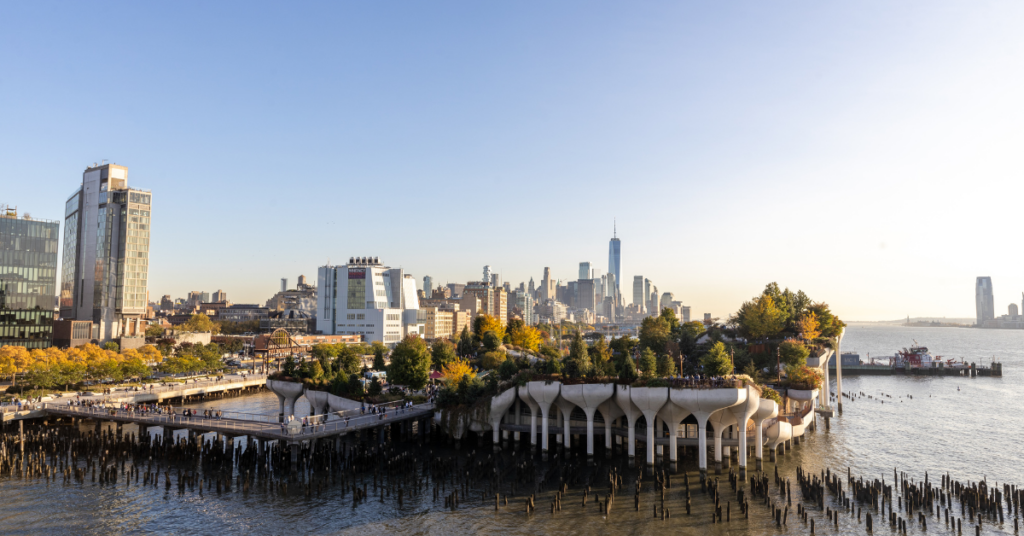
(255, 426)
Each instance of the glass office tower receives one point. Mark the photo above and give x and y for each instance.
(106, 255)
(28, 279)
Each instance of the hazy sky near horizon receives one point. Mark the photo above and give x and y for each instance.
(869, 153)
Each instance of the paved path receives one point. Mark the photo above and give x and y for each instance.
(257, 426)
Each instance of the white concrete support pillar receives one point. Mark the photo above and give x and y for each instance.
(565, 408)
(524, 395)
(544, 394)
(591, 398)
(702, 403)
(839, 371)
(499, 407)
(631, 412)
(649, 400)
(518, 420)
(767, 409)
(659, 449)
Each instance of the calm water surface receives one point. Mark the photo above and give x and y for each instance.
(973, 433)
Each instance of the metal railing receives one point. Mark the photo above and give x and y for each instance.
(266, 425)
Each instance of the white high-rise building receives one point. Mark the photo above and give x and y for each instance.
(639, 298)
(105, 268)
(366, 298)
(983, 301)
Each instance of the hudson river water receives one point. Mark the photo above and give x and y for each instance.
(974, 433)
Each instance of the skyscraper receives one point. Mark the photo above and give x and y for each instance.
(428, 285)
(106, 255)
(585, 270)
(547, 286)
(638, 292)
(487, 274)
(983, 300)
(28, 279)
(614, 256)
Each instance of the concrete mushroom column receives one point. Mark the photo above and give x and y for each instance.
(649, 400)
(721, 421)
(590, 398)
(609, 411)
(702, 403)
(286, 393)
(499, 406)
(565, 411)
(743, 412)
(673, 415)
(767, 409)
(318, 402)
(631, 412)
(524, 395)
(544, 394)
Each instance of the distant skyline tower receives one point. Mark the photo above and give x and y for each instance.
(983, 300)
(585, 270)
(638, 292)
(487, 273)
(615, 255)
(428, 285)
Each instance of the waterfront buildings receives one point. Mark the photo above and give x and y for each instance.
(983, 301)
(366, 298)
(105, 267)
(28, 279)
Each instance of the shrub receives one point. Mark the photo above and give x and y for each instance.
(492, 360)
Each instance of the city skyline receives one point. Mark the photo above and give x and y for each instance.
(888, 154)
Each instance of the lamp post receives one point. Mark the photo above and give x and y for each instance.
(778, 362)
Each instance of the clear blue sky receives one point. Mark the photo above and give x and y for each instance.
(867, 152)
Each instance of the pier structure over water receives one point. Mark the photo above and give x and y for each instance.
(659, 417)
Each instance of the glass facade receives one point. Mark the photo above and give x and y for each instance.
(356, 288)
(28, 280)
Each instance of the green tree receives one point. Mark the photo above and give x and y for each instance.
(375, 387)
(442, 352)
(550, 352)
(627, 371)
(666, 366)
(492, 360)
(648, 363)
(601, 358)
(761, 318)
(793, 353)
(112, 346)
(577, 363)
(828, 324)
(348, 360)
(670, 317)
(508, 369)
(716, 361)
(134, 367)
(378, 360)
(466, 347)
(154, 331)
(655, 333)
(410, 363)
(355, 387)
(200, 323)
(491, 341)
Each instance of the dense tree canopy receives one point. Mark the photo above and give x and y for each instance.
(410, 363)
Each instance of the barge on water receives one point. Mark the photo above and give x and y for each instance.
(915, 361)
